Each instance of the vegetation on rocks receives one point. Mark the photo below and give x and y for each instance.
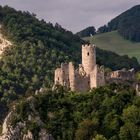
(107, 113)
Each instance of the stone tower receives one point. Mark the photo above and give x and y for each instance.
(88, 58)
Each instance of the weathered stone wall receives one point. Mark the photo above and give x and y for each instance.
(58, 78)
(82, 82)
(62, 75)
(65, 71)
(72, 76)
(88, 58)
(122, 75)
(97, 77)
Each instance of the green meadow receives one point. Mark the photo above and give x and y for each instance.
(114, 42)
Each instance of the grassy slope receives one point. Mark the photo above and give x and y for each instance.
(114, 42)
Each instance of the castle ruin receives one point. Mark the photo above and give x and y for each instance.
(89, 75)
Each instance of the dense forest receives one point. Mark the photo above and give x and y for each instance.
(38, 48)
(89, 31)
(107, 113)
(127, 24)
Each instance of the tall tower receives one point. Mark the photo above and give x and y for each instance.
(88, 57)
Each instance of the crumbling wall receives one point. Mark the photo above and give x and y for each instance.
(62, 75)
(72, 76)
(123, 75)
(65, 71)
(97, 78)
(58, 78)
(82, 82)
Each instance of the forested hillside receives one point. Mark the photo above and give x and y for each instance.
(38, 48)
(89, 31)
(127, 24)
(107, 113)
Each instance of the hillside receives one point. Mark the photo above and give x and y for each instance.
(87, 32)
(112, 41)
(38, 48)
(127, 24)
(101, 114)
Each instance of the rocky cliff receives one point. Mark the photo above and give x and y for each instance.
(4, 43)
(19, 129)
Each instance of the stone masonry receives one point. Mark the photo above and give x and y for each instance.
(89, 75)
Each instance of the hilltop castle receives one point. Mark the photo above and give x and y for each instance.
(89, 75)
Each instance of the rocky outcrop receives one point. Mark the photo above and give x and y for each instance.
(10, 133)
(20, 131)
(4, 43)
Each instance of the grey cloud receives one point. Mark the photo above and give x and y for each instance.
(74, 14)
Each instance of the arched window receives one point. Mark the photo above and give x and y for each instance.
(88, 54)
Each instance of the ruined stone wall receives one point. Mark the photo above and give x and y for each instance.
(65, 70)
(93, 77)
(97, 77)
(72, 76)
(58, 78)
(123, 75)
(88, 58)
(82, 82)
(69, 77)
(62, 75)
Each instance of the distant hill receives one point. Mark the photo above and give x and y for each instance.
(89, 31)
(127, 24)
(112, 41)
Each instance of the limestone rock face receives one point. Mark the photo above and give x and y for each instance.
(19, 131)
(28, 136)
(4, 43)
(10, 133)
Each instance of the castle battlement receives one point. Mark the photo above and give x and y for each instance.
(86, 46)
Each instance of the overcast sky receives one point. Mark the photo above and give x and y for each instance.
(74, 15)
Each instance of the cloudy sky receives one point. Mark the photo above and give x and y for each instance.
(74, 15)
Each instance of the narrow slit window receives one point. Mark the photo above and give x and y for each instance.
(88, 54)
